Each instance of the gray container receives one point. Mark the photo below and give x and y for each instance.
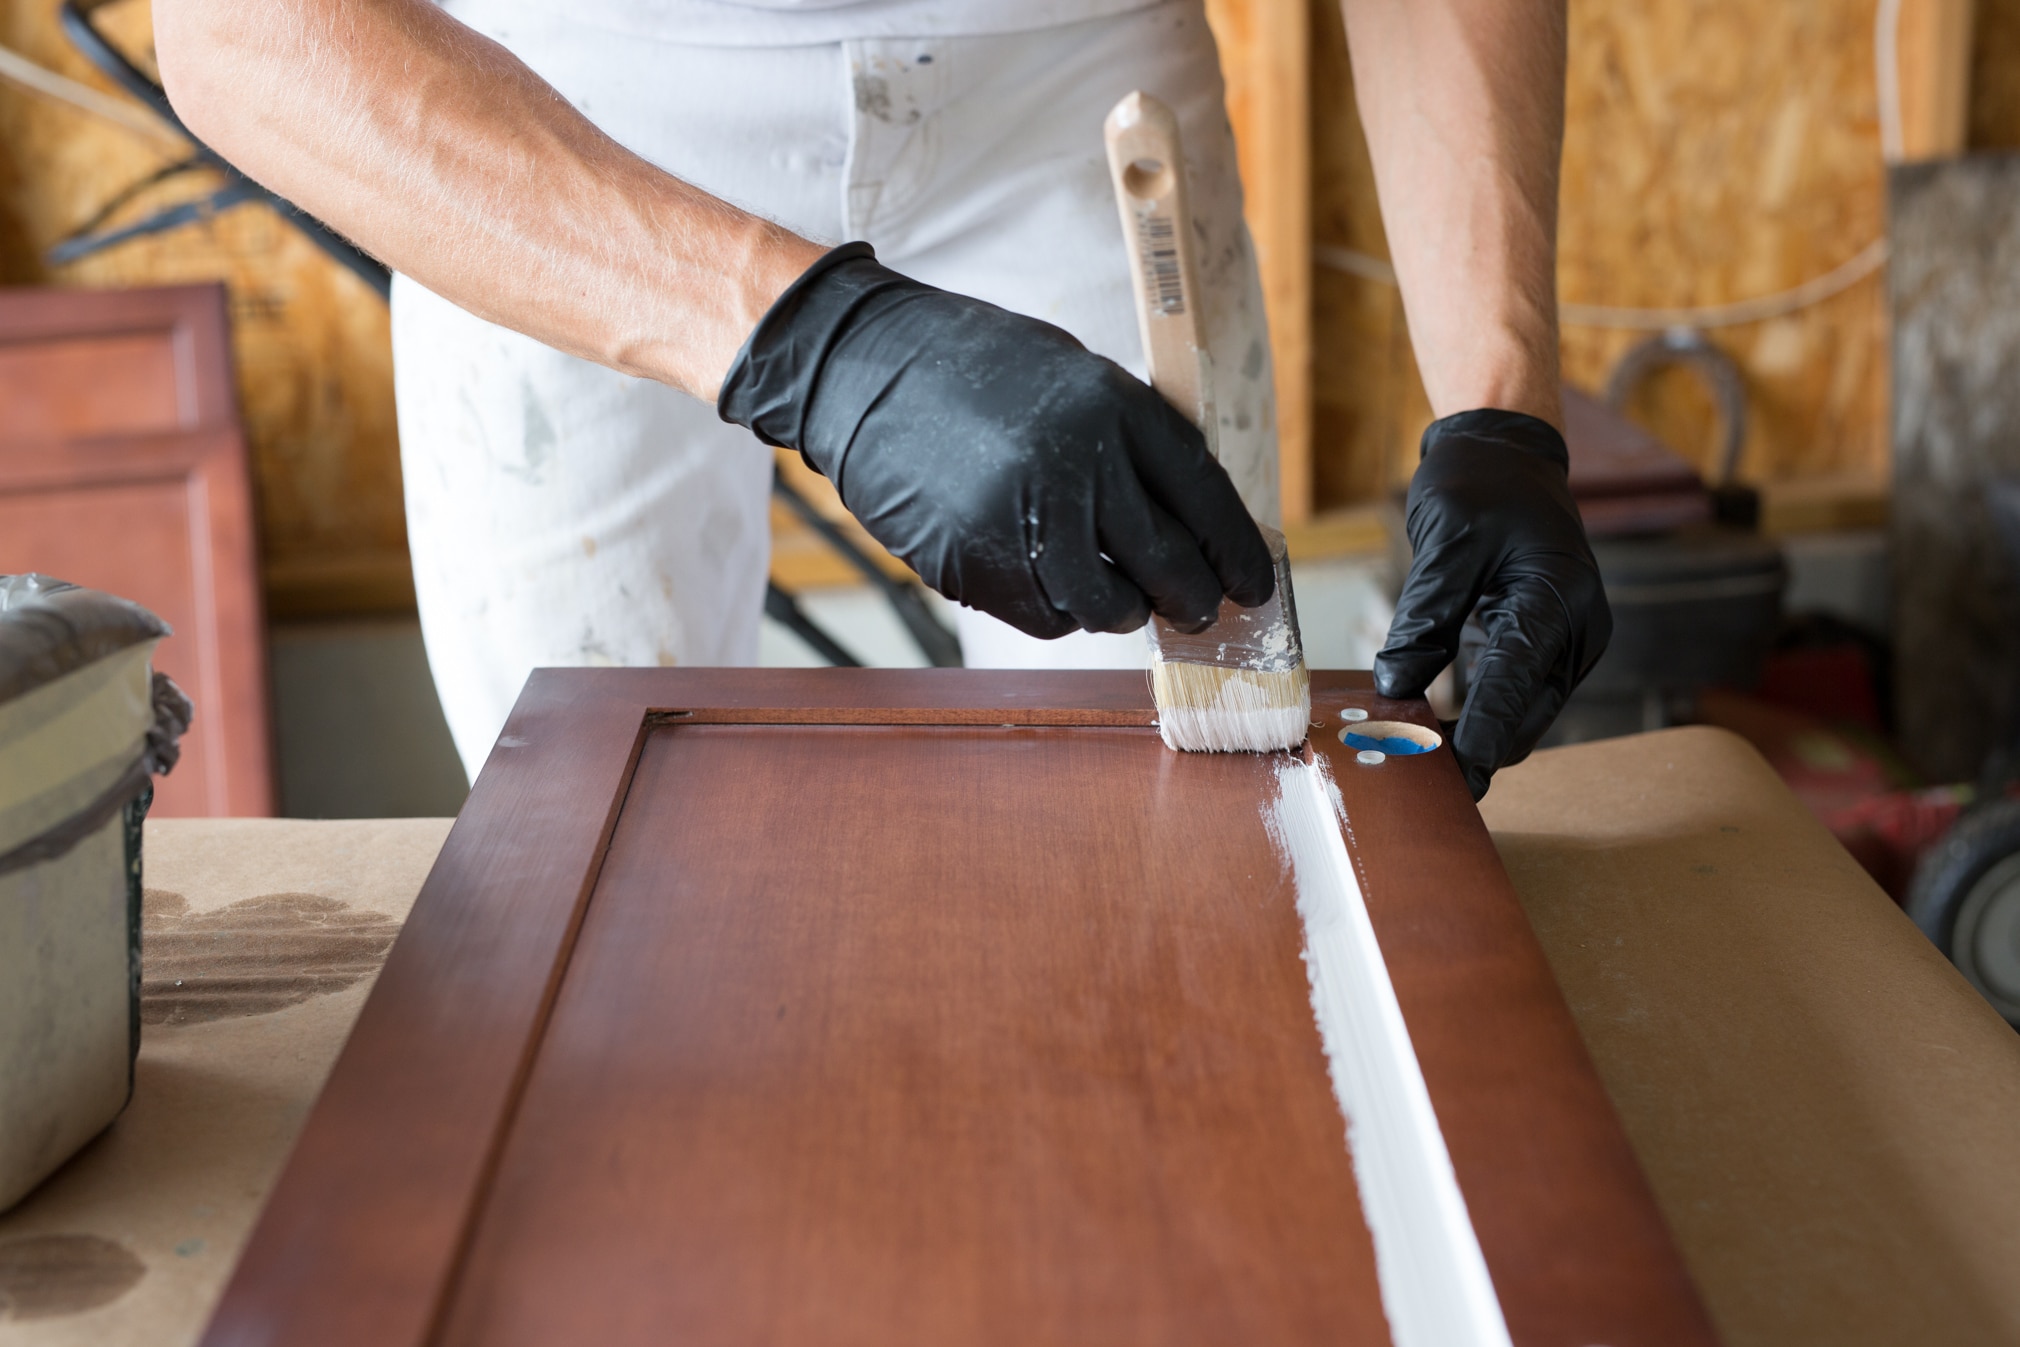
(84, 724)
(1693, 609)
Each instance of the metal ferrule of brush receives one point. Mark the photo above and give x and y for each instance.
(1240, 686)
(1264, 638)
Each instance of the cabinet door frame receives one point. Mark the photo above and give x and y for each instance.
(363, 1236)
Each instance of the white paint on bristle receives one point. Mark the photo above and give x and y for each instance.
(1435, 1286)
(1205, 708)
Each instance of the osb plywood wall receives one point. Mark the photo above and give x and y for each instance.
(314, 364)
(1720, 151)
(1716, 150)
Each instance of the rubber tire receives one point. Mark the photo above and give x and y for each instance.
(1949, 875)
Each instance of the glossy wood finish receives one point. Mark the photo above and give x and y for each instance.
(122, 468)
(986, 1064)
(949, 1029)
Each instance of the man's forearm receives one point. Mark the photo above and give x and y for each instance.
(439, 152)
(1463, 101)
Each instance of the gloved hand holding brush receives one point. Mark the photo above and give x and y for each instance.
(1013, 469)
(1492, 522)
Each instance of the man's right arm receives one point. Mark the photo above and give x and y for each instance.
(1016, 471)
(439, 152)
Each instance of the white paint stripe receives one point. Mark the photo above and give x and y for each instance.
(1435, 1287)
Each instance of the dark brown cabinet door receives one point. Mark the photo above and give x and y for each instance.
(811, 1007)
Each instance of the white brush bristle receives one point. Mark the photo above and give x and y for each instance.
(1207, 708)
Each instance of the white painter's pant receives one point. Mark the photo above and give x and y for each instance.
(564, 514)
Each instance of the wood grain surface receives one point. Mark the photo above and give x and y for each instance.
(932, 1030)
(989, 1063)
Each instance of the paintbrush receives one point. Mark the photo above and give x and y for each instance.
(1240, 685)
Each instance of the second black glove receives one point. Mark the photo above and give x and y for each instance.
(1492, 523)
(1013, 469)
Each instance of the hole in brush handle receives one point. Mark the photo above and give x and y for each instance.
(1148, 180)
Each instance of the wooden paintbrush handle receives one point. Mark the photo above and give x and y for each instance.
(1147, 165)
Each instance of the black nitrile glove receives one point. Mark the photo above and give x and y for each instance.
(1492, 523)
(1013, 469)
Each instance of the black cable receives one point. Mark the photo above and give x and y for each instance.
(134, 189)
(940, 646)
(782, 608)
(84, 243)
(112, 62)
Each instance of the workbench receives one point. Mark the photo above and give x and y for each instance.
(1826, 1111)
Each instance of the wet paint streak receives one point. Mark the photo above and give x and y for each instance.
(1436, 1290)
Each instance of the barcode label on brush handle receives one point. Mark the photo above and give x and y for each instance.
(1162, 281)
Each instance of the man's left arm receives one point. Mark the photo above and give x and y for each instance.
(1463, 103)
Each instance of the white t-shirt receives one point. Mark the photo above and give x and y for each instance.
(795, 23)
